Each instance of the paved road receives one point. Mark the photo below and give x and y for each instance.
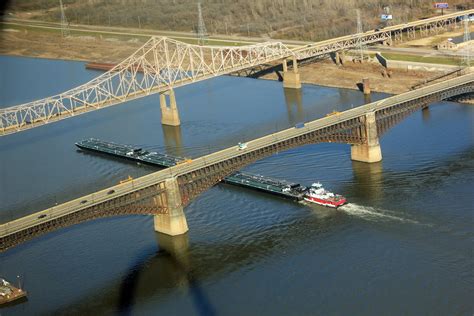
(415, 51)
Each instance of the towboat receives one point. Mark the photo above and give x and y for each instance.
(317, 194)
(10, 293)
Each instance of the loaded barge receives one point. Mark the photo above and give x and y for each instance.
(130, 152)
(288, 190)
(293, 191)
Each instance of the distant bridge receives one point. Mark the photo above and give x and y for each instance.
(425, 27)
(162, 64)
(165, 193)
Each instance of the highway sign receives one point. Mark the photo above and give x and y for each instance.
(441, 5)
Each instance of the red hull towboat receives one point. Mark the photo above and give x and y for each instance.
(317, 194)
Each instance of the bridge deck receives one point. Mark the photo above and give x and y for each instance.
(101, 196)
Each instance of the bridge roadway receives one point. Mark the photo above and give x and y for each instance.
(166, 64)
(159, 177)
(372, 36)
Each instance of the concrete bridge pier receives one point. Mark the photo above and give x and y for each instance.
(291, 79)
(370, 151)
(169, 110)
(174, 222)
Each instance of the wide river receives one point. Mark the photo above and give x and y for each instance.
(402, 246)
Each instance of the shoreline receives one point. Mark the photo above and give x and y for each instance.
(112, 50)
(261, 78)
(323, 65)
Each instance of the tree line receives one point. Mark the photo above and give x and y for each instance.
(291, 19)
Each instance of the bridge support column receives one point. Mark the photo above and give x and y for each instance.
(388, 42)
(336, 58)
(369, 152)
(174, 222)
(366, 86)
(291, 79)
(169, 111)
(342, 57)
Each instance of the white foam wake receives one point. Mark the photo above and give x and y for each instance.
(372, 213)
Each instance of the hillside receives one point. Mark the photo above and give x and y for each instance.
(295, 19)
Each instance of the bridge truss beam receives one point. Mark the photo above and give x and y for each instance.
(159, 65)
(425, 27)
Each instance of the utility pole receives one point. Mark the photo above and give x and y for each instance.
(201, 31)
(360, 45)
(64, 23)
(467, 37)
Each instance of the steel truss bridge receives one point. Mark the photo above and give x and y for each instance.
(148, 195)
(425, 27)
(162, 64)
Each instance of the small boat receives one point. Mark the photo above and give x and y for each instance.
(317, 194)
(9, 293)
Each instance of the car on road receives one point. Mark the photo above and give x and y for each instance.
(241, 146)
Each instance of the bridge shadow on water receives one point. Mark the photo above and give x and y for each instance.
(179, 266)
(174, 269)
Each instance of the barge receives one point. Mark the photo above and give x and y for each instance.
(130, 153)
(293, 191)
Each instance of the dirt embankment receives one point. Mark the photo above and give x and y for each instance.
(349, 75)
(53, 45)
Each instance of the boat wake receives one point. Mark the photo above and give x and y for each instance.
(372, 213)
